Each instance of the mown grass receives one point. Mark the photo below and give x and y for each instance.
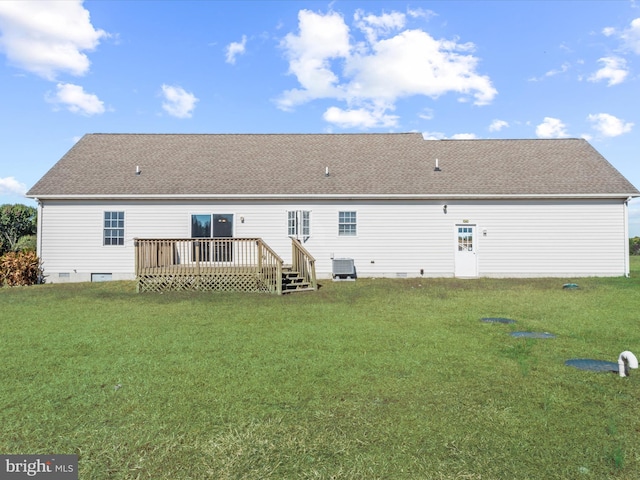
(373, 379)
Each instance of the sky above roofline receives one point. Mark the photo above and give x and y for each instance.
(449, 70)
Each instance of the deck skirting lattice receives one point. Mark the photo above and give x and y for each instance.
(229, 282)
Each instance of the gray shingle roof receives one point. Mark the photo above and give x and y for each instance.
(373, 165)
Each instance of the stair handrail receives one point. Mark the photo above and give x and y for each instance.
(268, 255)
(303, 262)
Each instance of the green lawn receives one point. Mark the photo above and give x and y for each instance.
(373, 379)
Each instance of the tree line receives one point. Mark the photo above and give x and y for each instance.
(634, 246)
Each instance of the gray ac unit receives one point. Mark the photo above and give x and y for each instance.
(343, 268)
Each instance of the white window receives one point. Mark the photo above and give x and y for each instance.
(113, 228)
(347, 224)
(299, 223)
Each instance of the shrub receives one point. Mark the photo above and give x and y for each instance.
(634, 246)
(20, 268)
(28, 242)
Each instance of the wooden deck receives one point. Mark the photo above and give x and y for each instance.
(226, 264)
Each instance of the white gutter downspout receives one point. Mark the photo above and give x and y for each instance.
(626, 237)
(39, 230)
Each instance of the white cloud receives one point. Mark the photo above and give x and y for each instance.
(563, 69)
(631, 36)
(614, 70)
(551, 128)
(178, 102)
(442, 136)
(360, 117)
(47, 38)
(373, 25)
(552, 73)
(321, 39)
(608, 125)
(421, 13)
(586, 136)
(498, 125)
(464, 136)
(433, 135)
(427, 114)
(236, 48)
(11, 186)
(372, 74)
(76, 100)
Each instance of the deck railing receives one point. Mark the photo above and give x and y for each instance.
(303, 263)
(246, 264)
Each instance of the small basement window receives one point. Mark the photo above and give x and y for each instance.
(101, 277)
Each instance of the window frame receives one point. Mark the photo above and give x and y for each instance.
(348, 225)
(299, 224)
(113, 228)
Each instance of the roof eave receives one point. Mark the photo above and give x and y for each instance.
(489, 196)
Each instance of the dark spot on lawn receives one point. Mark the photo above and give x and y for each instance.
(497, 320)
(532, 335)
(592, 365)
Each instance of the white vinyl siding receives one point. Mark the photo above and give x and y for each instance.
(537, 239)
(514, 238)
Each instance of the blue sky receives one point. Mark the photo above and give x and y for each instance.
(448, 69)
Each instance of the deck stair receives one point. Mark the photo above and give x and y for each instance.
(293, 281)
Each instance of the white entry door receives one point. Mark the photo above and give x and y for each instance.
(466, 259)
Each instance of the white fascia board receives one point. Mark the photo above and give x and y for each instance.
(336, 197)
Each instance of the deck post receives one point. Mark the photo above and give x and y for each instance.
(198, 273)
(278, 278)
(136, 247)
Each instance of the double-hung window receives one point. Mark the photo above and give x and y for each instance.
(113, 228)
(299, 223)
(347, 224)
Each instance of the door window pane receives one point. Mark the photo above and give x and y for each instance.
(223, 225)
(465, 239)
(200, 226)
